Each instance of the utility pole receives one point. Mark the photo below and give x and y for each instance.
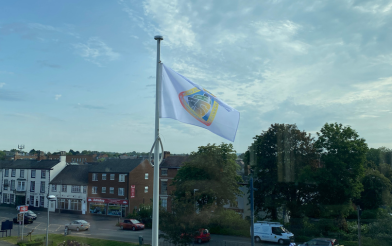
(252, 228)
(359, 225)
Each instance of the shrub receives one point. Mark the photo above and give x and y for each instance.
(228, 222)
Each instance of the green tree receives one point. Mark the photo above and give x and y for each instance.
(2, 155)
(281, 159)
(377, 190)
(32, 152)
(213, 171)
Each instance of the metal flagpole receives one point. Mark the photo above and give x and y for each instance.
(155, 213)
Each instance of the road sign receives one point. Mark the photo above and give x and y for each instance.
(23, 208)
(20, 217)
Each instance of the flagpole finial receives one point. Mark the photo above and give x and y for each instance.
(160, 37)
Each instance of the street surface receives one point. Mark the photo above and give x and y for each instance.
(104, 227)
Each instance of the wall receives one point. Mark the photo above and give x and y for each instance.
(137, 178)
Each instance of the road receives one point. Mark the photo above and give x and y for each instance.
(104, 227)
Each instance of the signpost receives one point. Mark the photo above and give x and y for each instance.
(22, 210)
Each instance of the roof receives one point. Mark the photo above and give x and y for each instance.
(115, 166)
(29, 164)
(72, 175)
(174, 161)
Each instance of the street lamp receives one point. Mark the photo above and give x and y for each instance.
(50, 198)
(194, 198)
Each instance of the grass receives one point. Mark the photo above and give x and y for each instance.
(59, 238)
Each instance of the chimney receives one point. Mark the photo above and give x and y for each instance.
(166, 154)
(63, 156)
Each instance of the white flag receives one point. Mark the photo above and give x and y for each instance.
(185, 101)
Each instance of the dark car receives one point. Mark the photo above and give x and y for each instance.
(321, 242)
(31, 214)
(27, 220)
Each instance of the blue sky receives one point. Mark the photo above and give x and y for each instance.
(81, 74)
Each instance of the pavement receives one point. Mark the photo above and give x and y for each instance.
(104, 227)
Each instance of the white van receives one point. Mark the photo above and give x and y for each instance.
(271, 232)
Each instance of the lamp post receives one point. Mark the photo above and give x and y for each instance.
(194, 198)
(50, 198)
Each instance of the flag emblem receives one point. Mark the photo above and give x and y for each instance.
(199, 104)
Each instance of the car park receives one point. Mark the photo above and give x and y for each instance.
(78, 225)
(131, 224)
(321, 242)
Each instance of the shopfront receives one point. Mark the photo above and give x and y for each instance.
(103, 206)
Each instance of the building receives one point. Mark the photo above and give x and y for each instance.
(168, 170)
(117, 187)
(26, 182)
(70, 189)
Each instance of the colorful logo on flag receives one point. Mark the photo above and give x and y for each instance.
(200, 104)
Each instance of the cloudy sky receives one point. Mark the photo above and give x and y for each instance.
(81, 74)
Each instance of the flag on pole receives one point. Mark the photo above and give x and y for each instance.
(185, 101)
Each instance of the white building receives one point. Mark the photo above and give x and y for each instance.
(26, 182)
(70, 189)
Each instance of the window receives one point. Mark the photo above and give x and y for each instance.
(111, 190)
(76, 204)
(54, 187)
(146, 176)
(32, 200)
(164, 187)
(43, 174)
(21, 173)
(12, 198)
(6, 184)
(94, 190)
(164, 172)
(145, 189)
(164, 203)
(112, 176)
(84, 189)
(103, 189)
(6, 172)
(5, 198)
(12, 185)
(64, 203)
(120, 191)
(75, 189)
(64, 188)
(13, 172)
(95, 177)
(21, 186)
(41, 201)
(121, 178)
(103, 176)
(32, 186)
(42, 190)
(33, 173)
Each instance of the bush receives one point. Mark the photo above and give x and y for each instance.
(228, 222)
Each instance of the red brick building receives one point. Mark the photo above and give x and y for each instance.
(117, 187)
(168, 170)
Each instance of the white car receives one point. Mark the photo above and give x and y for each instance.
(78, 225)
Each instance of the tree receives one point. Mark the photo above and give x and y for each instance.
(213, 171)
(2, 155)
(32, 152)
(281, 159)
(343, 157)
(377, 190)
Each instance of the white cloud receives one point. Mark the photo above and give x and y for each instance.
(57, 97)
(96, 51)
(6, 72)
(42, 27)
(2, 84)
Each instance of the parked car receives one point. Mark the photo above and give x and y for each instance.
(27, 220)
(203, 235)
(131, 224)
(321, 242)
(271, 232)
(78, 225)
(31, 214)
